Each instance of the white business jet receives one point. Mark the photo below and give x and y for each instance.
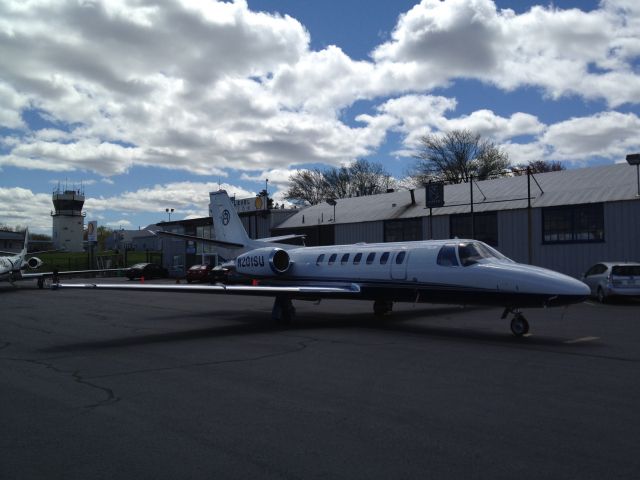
(436, 271)
(14, 266)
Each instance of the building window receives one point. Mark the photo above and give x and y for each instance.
(405, 230)
(573, 224)
(486, 227)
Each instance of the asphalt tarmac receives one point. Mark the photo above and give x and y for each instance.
(108, 384)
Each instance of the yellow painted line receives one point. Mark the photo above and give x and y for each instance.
(582, 340)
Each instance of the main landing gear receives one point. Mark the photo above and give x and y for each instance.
(382, 307)
(519, 324)
(283, 310)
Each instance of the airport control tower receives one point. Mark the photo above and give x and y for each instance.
(68, 219)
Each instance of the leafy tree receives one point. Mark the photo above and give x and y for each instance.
(457, 155)
(360, 178)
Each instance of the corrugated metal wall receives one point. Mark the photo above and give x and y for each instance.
(369, 232)
(512, 234)
(622, 242)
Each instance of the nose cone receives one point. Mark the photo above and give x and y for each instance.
(560, 289)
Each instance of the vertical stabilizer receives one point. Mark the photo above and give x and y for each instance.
(25, 245)
(227, 225)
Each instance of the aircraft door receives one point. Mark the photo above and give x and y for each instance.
(399, 262)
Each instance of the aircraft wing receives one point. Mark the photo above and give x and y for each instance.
(296, 291)
(213, 241)
(27, 276)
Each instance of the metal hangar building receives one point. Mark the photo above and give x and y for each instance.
(565, 220)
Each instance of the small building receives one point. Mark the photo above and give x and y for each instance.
(179, 254)
(140, 240)
(11, 241)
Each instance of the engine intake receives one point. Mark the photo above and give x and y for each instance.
(34, 262)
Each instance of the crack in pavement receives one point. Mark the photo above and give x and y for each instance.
(301, 346)
(110, 399)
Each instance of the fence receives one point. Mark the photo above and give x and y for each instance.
(89, 261)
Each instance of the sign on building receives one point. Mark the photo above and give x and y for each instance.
(92, 231)
(251, 204)
(434, 194)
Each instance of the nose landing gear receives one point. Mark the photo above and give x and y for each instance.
(519, 324)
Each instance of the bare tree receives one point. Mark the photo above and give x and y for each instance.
(307, 186)
(369, 178)
(539, 166)
(457, 155)
(360, 178)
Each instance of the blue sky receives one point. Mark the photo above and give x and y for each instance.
(150, 107)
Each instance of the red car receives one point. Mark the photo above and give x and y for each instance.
(199, 273)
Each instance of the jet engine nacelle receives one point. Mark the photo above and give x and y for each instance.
(263, 262)
(34, 262)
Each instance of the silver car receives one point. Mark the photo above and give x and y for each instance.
(612, 279)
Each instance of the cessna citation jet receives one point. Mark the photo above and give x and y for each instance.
(436, 271)
(13, 266)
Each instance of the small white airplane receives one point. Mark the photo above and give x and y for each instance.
(13, 266)
(452, 271)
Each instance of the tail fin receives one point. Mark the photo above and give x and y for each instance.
(226, 222)
(25, 246)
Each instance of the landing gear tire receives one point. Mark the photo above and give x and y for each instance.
(382, 307)
(601, 296)
(519, 325)
(283, 310)
(41, 283)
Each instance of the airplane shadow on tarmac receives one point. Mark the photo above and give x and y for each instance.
(250, 323)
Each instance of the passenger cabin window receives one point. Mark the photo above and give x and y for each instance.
(400, 257)
(371, 257)
(447, 256)
(384, 258)
(332, 258)
(345, 258)
(357, 258)
(320, 259)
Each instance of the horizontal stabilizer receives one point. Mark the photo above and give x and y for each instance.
(212, 241)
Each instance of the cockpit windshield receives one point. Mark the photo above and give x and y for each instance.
(471, 253)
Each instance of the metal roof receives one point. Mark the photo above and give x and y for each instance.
(567, 187)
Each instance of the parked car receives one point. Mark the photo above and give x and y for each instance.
(198, 273)
(613, 279)
(146, 270)
(227, 276)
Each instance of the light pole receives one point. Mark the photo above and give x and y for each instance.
(634, 159)
(332, 201)
(169, 212)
